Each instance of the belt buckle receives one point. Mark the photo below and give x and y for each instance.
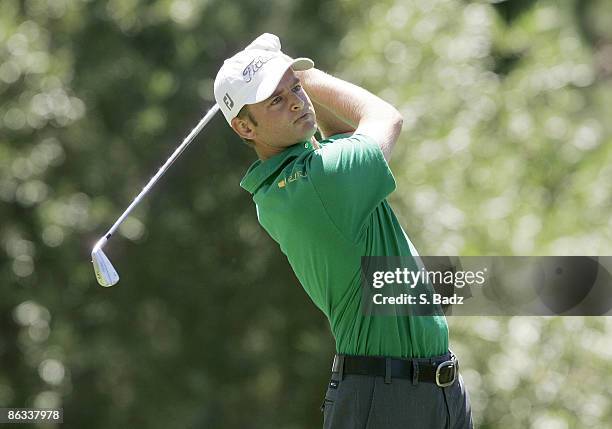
(445, 364)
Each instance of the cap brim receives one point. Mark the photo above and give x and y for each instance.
(266, 89)
(301, 64)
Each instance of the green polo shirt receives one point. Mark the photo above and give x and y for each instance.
(327, 208)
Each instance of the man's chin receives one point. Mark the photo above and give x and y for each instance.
(307, 138)
(311, 132)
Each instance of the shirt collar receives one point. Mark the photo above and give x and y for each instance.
(260, 170)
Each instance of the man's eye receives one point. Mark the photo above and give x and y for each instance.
(275, 100)
(296, 88)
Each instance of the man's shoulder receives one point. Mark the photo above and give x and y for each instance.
(346, 136)
(349, 151)
(335, 137)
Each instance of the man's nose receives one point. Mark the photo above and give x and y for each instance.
(297, 103)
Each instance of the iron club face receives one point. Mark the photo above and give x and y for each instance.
(104, 270)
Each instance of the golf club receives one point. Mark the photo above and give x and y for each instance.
(105, 272)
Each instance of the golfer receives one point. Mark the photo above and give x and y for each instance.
(324, 202)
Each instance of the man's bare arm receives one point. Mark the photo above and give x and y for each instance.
(329, 124)
(367, 113)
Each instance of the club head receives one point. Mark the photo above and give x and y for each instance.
(105, 272)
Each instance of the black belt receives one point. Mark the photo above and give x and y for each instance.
(443, 372)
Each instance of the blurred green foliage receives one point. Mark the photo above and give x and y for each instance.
(505, 150)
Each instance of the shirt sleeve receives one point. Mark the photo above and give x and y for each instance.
(351, 177)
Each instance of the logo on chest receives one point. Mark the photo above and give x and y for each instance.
(295, 176)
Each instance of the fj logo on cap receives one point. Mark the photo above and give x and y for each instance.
(254, 67)
(228, 101)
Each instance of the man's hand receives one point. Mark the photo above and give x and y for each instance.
(363, 111)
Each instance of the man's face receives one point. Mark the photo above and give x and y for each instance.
(283, 119)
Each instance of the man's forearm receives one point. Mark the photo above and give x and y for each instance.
(329, 123)
(356, 106)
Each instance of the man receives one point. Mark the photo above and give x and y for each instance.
(325, 204)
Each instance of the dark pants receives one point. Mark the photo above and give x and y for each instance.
(361, 401)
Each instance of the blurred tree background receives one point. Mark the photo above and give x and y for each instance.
(505, 151)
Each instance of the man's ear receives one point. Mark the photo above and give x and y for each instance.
(244, 128)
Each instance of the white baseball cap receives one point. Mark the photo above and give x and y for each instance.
(253, 74)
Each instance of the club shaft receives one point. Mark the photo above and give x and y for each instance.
(177, 152)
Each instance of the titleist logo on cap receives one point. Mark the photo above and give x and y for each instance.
(254, 67)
